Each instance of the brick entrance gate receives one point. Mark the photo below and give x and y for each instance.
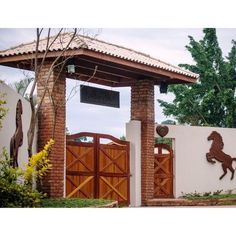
(95, 169)
(101, 63)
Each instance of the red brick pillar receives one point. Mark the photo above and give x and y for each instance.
(53, 183)
(142, 108)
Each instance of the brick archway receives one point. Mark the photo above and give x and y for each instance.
(117, 67)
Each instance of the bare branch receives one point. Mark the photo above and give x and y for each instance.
(52, 68)
(94, 73)
(48, 46)
(57, 65)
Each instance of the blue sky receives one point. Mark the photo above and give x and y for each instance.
(165, 44)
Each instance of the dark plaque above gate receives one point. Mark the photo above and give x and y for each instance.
(99, 96)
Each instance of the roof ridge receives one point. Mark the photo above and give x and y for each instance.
(19, 45)
(34, 41)
(130, 49)
(119, 46)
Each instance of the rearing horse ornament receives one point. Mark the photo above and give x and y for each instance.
(216, 152)
(17, 138)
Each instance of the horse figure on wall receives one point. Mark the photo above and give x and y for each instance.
(17, 138)
(216, 152)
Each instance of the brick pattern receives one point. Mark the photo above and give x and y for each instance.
(53, 183)
(142, 108)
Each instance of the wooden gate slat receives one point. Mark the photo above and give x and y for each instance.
(79, 173)
(80, 186)
(79, 159)
(114, 189)
(160, 164)
(67, 178)
(123, 171)
(116, 186)
(115, 159)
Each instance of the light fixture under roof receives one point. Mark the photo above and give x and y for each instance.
(163, 87)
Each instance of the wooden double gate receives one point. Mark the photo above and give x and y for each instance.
(97, 170)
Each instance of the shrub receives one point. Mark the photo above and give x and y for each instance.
(13, 192)
(16, 184)
(3, 110)
(18, 195)
(38, 164)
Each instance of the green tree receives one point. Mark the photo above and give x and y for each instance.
(211, 101)
(168, 122)
(21, 86)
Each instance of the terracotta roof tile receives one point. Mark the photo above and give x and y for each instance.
(97, 46)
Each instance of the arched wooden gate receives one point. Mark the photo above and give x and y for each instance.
(97, 170)
(163, 171)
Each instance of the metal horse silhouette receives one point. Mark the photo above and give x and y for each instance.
(216, 152)
(17, 138)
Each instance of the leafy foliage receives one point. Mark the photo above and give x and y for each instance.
(7, 172)
(16, 195)
(168, 122)
(3, 109)
(38, 164)
(207, 195)
(81, 139)
(167, 141)
(21, 86)
(16, 183)
(211, 101)
(13, 192)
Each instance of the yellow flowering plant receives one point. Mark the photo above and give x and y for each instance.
(3, 109)
(38, 164)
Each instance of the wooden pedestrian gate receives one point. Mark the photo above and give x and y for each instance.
(97, 170)
(163, 171)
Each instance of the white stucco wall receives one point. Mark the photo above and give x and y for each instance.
(133, 135)
(192, 172)
(9, 124)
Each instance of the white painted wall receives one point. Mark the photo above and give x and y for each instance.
(133, 135)
(9, 124)
(192, 172)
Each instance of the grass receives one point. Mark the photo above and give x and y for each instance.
(216, 196)
(73, 203)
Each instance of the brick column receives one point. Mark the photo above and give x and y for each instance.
(142, 108)
(53, 183)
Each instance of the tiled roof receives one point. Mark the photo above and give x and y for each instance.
(96, 46)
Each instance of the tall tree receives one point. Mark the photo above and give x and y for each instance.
(211, 101)
(22, 85)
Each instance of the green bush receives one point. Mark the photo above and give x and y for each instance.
(3, 109)
(13, 191)
(17, 195)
